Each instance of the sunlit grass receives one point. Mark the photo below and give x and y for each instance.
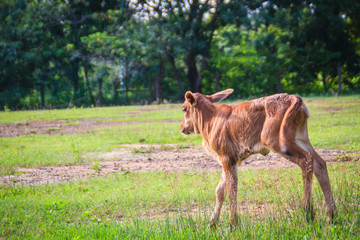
(155, 205)
(38, 150)
(334, 124)
(178, 205)
(121, 113)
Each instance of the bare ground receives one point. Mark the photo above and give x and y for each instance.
(155, 158)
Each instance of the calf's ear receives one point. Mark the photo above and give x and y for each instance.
(189, 96)
(217, 97)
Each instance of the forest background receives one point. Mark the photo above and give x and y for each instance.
(59, 54)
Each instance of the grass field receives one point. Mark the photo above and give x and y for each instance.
(155, 205)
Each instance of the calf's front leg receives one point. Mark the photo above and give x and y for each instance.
(231, 189)
(220, 197)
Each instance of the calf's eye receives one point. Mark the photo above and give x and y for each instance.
(184, 110)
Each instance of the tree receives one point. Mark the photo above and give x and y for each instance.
(52, 52)
(190, 28)
(320, 35)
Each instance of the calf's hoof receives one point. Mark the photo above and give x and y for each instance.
(309, 214)
(233, 223)
(213, 224)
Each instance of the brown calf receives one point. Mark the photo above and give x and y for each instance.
(233, 133)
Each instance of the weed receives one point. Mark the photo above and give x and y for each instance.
(183, 146)
(143, 150)
(166, 148)
(96, 166)
(24, 122)
(68, 122)
(53, 129)
(6, 109)
(77, 153)
(343, 158)
(8, 171)
(125, 171)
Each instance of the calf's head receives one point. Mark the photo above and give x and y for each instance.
(195, 104)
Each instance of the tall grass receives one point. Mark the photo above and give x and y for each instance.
(178, 206)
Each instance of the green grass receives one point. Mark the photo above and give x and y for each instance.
(38, 150)
(177, 206)
(335, 123)
(77, 113)
(156, 205)
(329, 129)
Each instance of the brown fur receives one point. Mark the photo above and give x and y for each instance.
(232, 133)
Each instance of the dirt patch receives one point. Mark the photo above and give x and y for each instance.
(145, 158)
(78, 126)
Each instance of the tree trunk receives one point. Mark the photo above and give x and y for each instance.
(99, 103)
(126, 94)
(279, 82)
(115, 91)
(157, 89)
(326, 89)
(158, 80)
(217, 76)
(192, 74)
(42, 94)
(202, 67)
(75, 79)
(126, 86)
(88, 83)
(181, 88)
(124, 75)
(339, 78)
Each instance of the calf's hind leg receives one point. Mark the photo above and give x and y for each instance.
(321, 174)
(313, 163)
(305, 161)
(320, 170)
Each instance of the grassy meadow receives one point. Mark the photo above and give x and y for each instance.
(154, 205)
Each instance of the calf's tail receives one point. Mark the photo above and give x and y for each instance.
(288, 127)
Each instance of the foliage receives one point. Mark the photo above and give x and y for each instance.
(58, 54)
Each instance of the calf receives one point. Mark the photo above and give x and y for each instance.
(233, 133)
